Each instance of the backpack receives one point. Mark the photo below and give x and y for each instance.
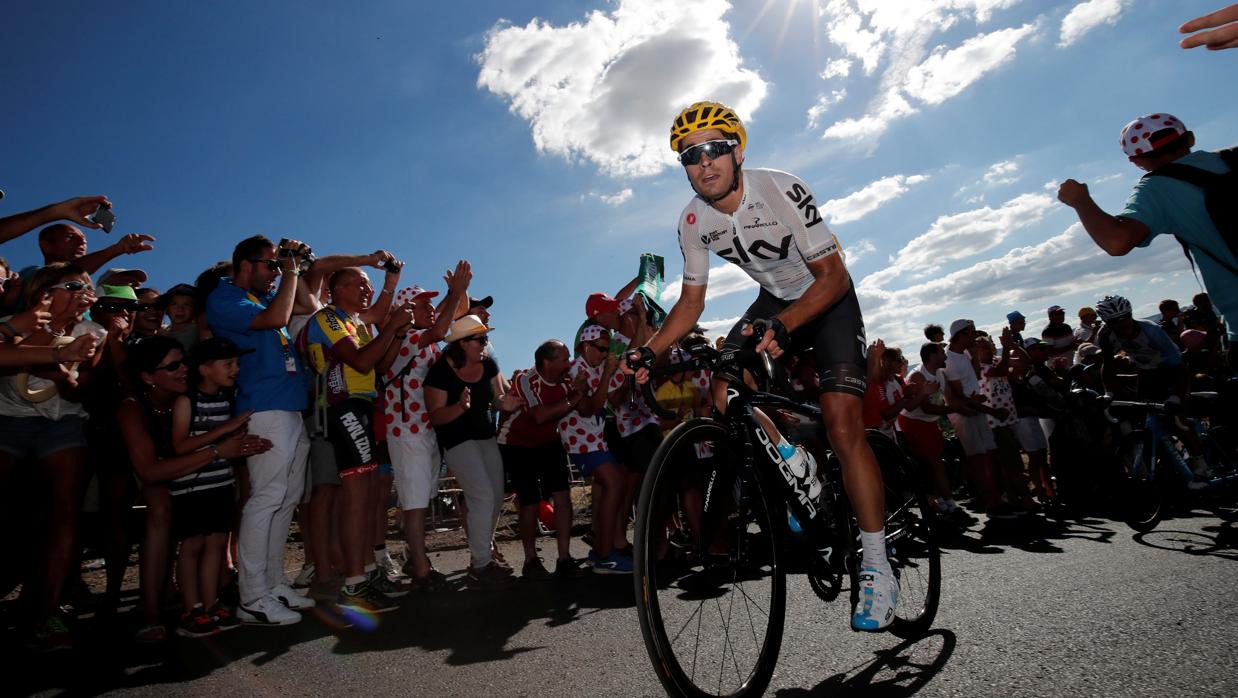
(1220, 198)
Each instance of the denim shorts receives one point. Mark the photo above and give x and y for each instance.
(40, 437)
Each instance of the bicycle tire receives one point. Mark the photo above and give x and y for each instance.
(661, 584)
(1141, 502)
(911, 526)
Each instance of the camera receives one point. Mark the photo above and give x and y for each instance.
(304, 252)
(392, 265)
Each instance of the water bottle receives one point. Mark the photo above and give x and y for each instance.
(802, 465)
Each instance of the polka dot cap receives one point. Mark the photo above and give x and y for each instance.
(1136, 136)
(592, 332)
(406, 295)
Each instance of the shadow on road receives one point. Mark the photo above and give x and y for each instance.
(1220, 541)
(900, 671)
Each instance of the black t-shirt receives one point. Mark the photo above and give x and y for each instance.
(474, 424)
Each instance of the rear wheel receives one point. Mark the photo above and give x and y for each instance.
(711, 614)
(911, 539)
(1141, 500)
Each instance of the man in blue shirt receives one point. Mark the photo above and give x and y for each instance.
(1164, 205)
(249, 311)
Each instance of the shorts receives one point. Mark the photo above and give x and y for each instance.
(40, 437)
(974, 433)
(1008, 455)
(836, 337)
(640, 447)
(1031, 436)
(350, 431)
(587, 463)
(416, 463)
(203, 512)
(614, 440)
(322, 469)
(536, 472)
(924, 439)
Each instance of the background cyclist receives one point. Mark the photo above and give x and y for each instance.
(768, 223)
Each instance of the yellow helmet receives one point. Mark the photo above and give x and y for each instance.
(703, 116)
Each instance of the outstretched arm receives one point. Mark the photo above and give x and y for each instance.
(75, 209)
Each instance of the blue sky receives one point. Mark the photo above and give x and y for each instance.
(530, 138)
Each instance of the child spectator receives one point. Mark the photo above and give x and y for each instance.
(180, 304)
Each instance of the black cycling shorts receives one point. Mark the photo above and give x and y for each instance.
(536, 472)
(836, 338)
(350, 430)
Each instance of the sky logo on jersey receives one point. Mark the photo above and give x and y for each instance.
(759, 249)
(803, 200)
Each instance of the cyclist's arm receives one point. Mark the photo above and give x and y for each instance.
(681, 319)
(830, 283)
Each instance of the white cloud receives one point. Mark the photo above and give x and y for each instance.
(856, 205)
(724, 279)
(946, 73)
(615, 199)
(1001, 173)
(638, 64)
(837, 68)
(824, 102)
(861, 249)
(719, 327)
(1086, 16)
(899, 32)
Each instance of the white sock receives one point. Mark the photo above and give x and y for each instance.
(354, 581)
(874, 545)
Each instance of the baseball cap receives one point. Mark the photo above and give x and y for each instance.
(599, 303)
(483, 302)
(1137, 135)
(1034, 342)
(412, 293)
(215, 349)
(135, 273)
(1088, 350)
(119, 292)
(1087, 311)
(592, 332)
(1014, 315)
(1055, 309)
(959, 325)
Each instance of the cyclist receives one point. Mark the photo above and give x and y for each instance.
(1162, 372)
(768, 223)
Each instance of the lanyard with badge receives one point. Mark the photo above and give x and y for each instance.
(285, 341)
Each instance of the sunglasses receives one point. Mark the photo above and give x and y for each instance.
(711, 149)
(272, 264)
(115, 307)
(144, 307)
(74, 286)
(171, 366)
(479, 338)
(599, 346)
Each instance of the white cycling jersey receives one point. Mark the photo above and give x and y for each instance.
(774, 233)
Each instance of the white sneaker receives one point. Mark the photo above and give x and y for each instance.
(878, 597)
(305, 578)
(267, 611)
(290, 598)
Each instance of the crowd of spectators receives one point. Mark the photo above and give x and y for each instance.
(282, 385)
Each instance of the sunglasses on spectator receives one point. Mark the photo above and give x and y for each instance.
(73, 286)
(143, 307)
(110, 307)
(171, 366)
(479, 338)
(710, 149)
(272, 264)
(599, 346)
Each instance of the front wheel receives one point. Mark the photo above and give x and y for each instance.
(1141, 498)
(911, 539)
(711, 614)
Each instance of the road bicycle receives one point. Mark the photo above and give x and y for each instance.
(723, 518)
(1152, 461)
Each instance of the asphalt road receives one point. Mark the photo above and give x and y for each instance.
(1082, 608)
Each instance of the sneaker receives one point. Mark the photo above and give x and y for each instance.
(268, 611)
(327, 590)
(491, 578)
(385, 585)
(305, 577)
(571, 568)
(52, 636)
(878, 596)
(225, 618)
(533, 569)
(197, 623)
(290, 598)
(364, 598)
(611, 564)
(151, 634)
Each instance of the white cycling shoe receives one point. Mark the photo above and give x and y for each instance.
(878, 597)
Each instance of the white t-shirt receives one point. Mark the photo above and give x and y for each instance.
(959, 368)
(13, 405)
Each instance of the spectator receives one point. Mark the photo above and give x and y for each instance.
(42, 419)
(123, 277)
(247, 310)
(1017, 323)
(534, 457)
(1088, 326)
(884, 399)
(148, 320)
(411, 439)
(1171, 319)
(344, 352)
(460, 389)
(77, 209)
(61, 242)
(919, 424)
(1038, 393)
(1060, 337)
(1162, 204)
(969, 415)
(995, 382)
(180, 305)
(480, 307)
(934, 333)
(636, 432)
(1202, 316)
